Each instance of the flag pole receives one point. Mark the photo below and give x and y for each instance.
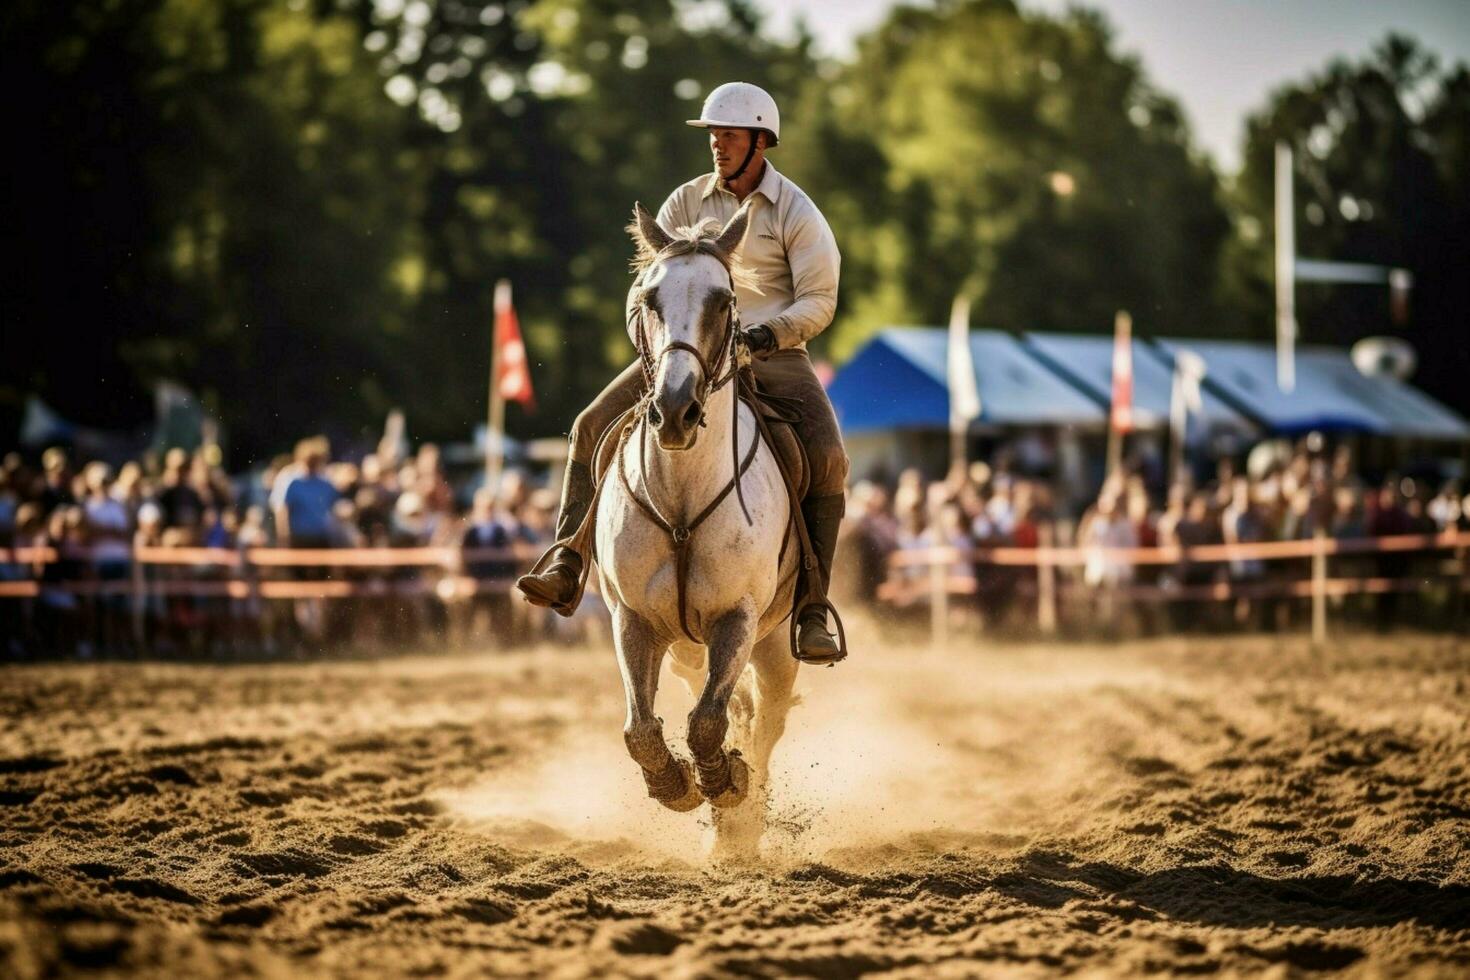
(964, 396)
(1122, 341)
(1178, 425)
(495, 423)
(1184, 399)
(1286, 328)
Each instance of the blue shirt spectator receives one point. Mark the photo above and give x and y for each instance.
(308, 500)
(304, 509)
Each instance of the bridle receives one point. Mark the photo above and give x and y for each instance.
(725, 351)
(732, 356)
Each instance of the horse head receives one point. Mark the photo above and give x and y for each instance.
(687, 309)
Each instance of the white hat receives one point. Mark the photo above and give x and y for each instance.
(740, 105)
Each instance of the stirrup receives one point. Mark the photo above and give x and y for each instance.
(819, 661)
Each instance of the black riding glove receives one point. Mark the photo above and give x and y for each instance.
(761, 340)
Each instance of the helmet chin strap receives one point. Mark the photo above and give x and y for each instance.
(754, 136)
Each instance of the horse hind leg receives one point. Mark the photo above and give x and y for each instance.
(775, 682)
(723, 776)
(670, 780)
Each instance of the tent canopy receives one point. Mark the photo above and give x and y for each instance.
(1087, 360)
(1330, 395)
(899, 381)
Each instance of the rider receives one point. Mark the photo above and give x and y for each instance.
(790, 248)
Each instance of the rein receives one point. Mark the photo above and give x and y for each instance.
(679, 534)
(727, 350)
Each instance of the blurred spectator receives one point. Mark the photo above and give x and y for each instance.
(490, 530)
(179, 501)
(1445, 509)
(56, 480)
(83, 600)
(1107, 528)
(304, 509)
(874, 539)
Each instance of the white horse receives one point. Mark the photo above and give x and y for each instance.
(739, 571)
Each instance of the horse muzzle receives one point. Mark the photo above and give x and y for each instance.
(677, 413)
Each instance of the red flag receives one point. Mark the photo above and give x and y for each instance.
(512, 373)
(1121, 418)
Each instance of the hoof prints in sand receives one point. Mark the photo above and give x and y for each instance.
(1222, 821)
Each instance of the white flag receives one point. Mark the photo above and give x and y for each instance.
(1191, 369)
(964, 398)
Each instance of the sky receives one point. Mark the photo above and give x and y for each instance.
(1220, 58)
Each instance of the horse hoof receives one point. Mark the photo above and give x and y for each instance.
(739, 784)
(683, 796)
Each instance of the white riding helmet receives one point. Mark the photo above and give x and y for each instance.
(740, 105)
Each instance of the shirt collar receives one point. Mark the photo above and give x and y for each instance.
(770, 184)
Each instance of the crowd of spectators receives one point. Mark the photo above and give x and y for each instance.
(1310, 490)
(81, 529)
(93, 519)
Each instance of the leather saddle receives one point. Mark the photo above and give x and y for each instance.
(780, 414)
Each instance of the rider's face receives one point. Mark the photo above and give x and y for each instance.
(728, 147)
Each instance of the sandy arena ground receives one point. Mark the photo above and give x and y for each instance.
(1217, 806)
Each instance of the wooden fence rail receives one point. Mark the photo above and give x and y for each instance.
(925, 574)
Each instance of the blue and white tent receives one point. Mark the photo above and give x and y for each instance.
(1087, 361)
(899, 381)
(1331, 394)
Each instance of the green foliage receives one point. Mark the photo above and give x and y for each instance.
(300, 207)
(1018, 158)
(207, 198)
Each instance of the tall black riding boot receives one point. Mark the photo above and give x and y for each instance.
(815, 644)
(556, 585)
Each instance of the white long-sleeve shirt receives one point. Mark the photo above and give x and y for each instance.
(788, 245)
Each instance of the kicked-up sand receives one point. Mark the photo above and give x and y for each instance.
(1220, 806)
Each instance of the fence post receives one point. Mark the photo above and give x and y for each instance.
(938, 601)
(254, 605)
(1319, 588)
(140, 601)
(1046, 582)
(1461, 597)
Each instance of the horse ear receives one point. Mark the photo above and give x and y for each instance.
(646, 231)
(730, 237)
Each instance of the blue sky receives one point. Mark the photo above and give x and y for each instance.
(1220, 58)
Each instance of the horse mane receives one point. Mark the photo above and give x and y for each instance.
(687, 240)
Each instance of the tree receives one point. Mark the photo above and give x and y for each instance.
(300, 207)
(550, 120)
(1382, 150)
(200, 201)
(972, 146)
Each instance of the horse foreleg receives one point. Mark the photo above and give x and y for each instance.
(723, 777)
(640, 655)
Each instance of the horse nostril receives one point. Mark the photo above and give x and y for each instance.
(692, 415)
(655, 416)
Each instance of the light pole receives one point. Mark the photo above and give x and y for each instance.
(1290, 269)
